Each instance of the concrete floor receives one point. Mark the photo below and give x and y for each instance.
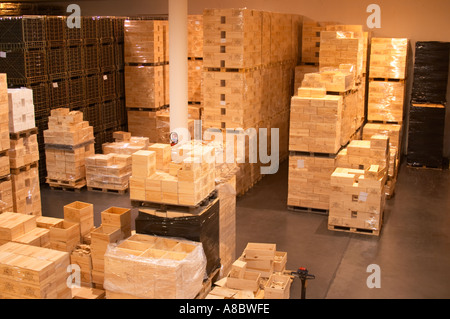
(413, 250)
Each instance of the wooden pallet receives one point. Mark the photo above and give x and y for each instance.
(166, 207)
(73, 186)
(23, 134)
(309, 210)
(24, 168)
(66, 188)
(387, 80)
(207, 284)
(107, 190)
(354, 230)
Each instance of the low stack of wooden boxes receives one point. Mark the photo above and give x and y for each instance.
(68, 141)
(24, 152)
(152, 267)
(259, 273)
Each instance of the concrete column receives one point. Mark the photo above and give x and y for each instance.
(178, 68)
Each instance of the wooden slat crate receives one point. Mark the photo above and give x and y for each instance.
(82, 214)
(23, 151)
(195, 82)
(33, 272)
(388, 58)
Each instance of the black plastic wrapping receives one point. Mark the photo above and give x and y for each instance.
(426, 136)
(202, 227)
(431, 68)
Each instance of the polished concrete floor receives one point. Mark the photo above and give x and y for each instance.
(412, 251)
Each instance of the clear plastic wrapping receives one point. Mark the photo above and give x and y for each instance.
(109, 171)
(386, 101)
(6, 197)
(388, 58)
(153, 267)
(27, 191)
(339, 80)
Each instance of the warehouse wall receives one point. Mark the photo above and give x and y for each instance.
(418, 20)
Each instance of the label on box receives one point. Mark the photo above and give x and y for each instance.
(223, 103)
(223, 40)
(363, 197)
(55, 84)
(2, 54)
(300, 164)
(105, 77)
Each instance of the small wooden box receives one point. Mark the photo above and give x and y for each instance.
(250, 281)
(260, 251)
(277, 287)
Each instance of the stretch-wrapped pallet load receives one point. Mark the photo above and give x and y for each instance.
(108, 172)
(428, 108)
(21, 110)
(33, 272)
(357, 200)
(431, 66)
(386, 101)
(152, 267)
(388, 58)
(342, 47)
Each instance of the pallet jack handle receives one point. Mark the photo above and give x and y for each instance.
(304, 275)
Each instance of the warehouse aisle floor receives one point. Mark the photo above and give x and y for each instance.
(413, 251)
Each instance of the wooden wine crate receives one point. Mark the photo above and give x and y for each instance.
(349, 46)
(4, 113)
(81, 213)
(386, 101)
(30, 272)
(23, 151)
(311, 40)
(278, 287)
(6, 197)
(195, 82)
(145, 86)
(108, 172)
(144, 41)
(163, 265)
(357, 200)
(26, 191)
(65, 236)
(195, 36)
(388, 58)
(21, 110)
(118, 217)
(14, 225)
(232, 38)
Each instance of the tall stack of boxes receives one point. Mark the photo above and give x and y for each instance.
(249, 59)
(327, 112)
(6, 200)
(386, 96)
(68, 141)
(24, 153)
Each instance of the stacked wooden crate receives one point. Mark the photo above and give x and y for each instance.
(6, 200)
(24, 229)
(249, 59)
(166, 268)
(146, 62)
(259, 273)
(185, 180)
(33, 272)
(395, 134)
(387, 93)
(68, 140)
(108, 172)
(357, 200)
(125, 144)
(115, 227)
(195, 61)
(24, 152)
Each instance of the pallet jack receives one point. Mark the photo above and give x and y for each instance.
(304, 275)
